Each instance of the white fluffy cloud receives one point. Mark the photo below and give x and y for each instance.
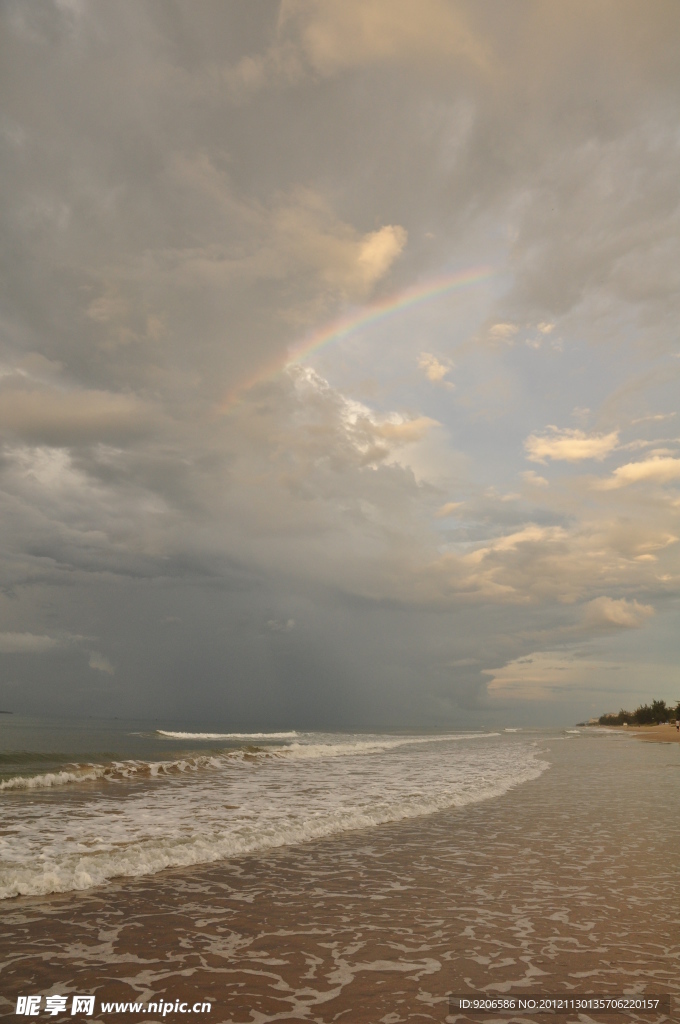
(378, 250)
(434, 369)
(657, 470)
(569, 445)
(504, 332)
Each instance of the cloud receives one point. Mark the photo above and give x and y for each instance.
(180, 216)
(654, 417)
(655, 470)
(533, 479)
(27, 643)
(402, 430)
(378, 250)
(540, 675)
(448, 509)
(281, 627)
(296, 233)
(551, 676)
(360, 32)
(607, 612)
(307, 232)
(569, 445)
(62, 418)
(532, 533)
(503, 332)
(434, 370)
(578, 675)
(101, 663)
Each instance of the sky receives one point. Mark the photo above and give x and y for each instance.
(339, 360)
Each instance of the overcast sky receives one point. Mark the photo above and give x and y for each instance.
(464, 511)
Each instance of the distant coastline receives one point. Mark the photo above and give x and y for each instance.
(656, 713)
(650, 733)
(657, 721)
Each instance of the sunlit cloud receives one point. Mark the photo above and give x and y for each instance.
(601, 684)
(657, 470)
(504, 332)
(448, 509)
(533, 479)
(607, 612)
(434, 370)
(569, 445)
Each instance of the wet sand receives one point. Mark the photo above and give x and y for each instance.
(652, 733)
(567, 884)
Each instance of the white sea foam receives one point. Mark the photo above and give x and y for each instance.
(209, 808)
(50, 779)
(370, 745)
(118, 771)
(227, 735)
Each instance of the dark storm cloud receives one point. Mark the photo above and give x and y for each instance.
(187, 190)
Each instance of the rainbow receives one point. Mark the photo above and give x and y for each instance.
(367, 316)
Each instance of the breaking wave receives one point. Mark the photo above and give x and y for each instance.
(226, 735)
(122, 771)
(271, 801)
(129, 771)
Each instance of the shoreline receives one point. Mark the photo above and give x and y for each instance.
(544, 889)
(650, 733)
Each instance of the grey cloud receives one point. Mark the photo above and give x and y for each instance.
(59, 418)
(190, 190)
(101, 663)
(26, 643)
(606, 612)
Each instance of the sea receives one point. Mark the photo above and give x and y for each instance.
(82, 803)
(372, 878)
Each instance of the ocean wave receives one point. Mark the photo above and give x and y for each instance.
(139, 770)
(308, 751)
(48, 780)
(260, 820)
(13, 757)
(226, 735)
(121, 771)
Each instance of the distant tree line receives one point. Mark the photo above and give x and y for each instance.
(646, 714)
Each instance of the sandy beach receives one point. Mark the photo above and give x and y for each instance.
(565, 885)
(652, 733)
